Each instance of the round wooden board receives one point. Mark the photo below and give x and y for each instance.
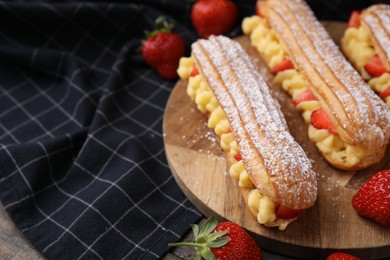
(200, 169)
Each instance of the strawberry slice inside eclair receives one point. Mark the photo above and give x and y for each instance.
(359, 45)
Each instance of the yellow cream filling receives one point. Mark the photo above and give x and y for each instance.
(200, 93)
(264, 39)
(359, 48)
(381, 83)
(294, 82)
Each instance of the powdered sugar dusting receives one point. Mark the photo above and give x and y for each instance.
(257, 123)
(354, 105)
(377, 18)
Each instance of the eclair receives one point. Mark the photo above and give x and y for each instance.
(366, 44)
(272, 170)
(348, 122)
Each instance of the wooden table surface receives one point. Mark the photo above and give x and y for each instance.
(13, 245)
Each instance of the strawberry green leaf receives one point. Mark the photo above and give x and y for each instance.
(216, 235)
(207, 254)
(221, 241)
(195, 229)
(209, 225)
(162, 24)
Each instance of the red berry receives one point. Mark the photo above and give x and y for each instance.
(284, 65)
(373, 199)
(385, 93)
(286, 213)
(375, 67)
(238, 157)
(163, 49)
(213, 17)
(306, 95)
(341, 256)
(321, 120)
(354, 19)
(224, 240)
(240, 245)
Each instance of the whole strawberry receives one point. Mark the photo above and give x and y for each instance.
(213, 17)
(373, 199)
(225, 240)
(163, 49)
(341, 256)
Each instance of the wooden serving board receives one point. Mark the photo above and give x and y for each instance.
(201, 171)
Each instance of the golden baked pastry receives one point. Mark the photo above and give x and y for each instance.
(272, 169)
(366, 43)
(348, 122)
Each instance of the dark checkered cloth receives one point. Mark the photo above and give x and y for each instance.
(83, 172)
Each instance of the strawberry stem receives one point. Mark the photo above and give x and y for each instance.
(196, 245)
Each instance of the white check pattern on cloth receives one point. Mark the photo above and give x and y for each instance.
(83, 172)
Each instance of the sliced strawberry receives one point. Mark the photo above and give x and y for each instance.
(258, 8)
(284, 65)
(286, 213)
(238, 157)
(194, 71)
(385, 93)
(306, 95)
(375, 67)
(354, 19)
(321, 120)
